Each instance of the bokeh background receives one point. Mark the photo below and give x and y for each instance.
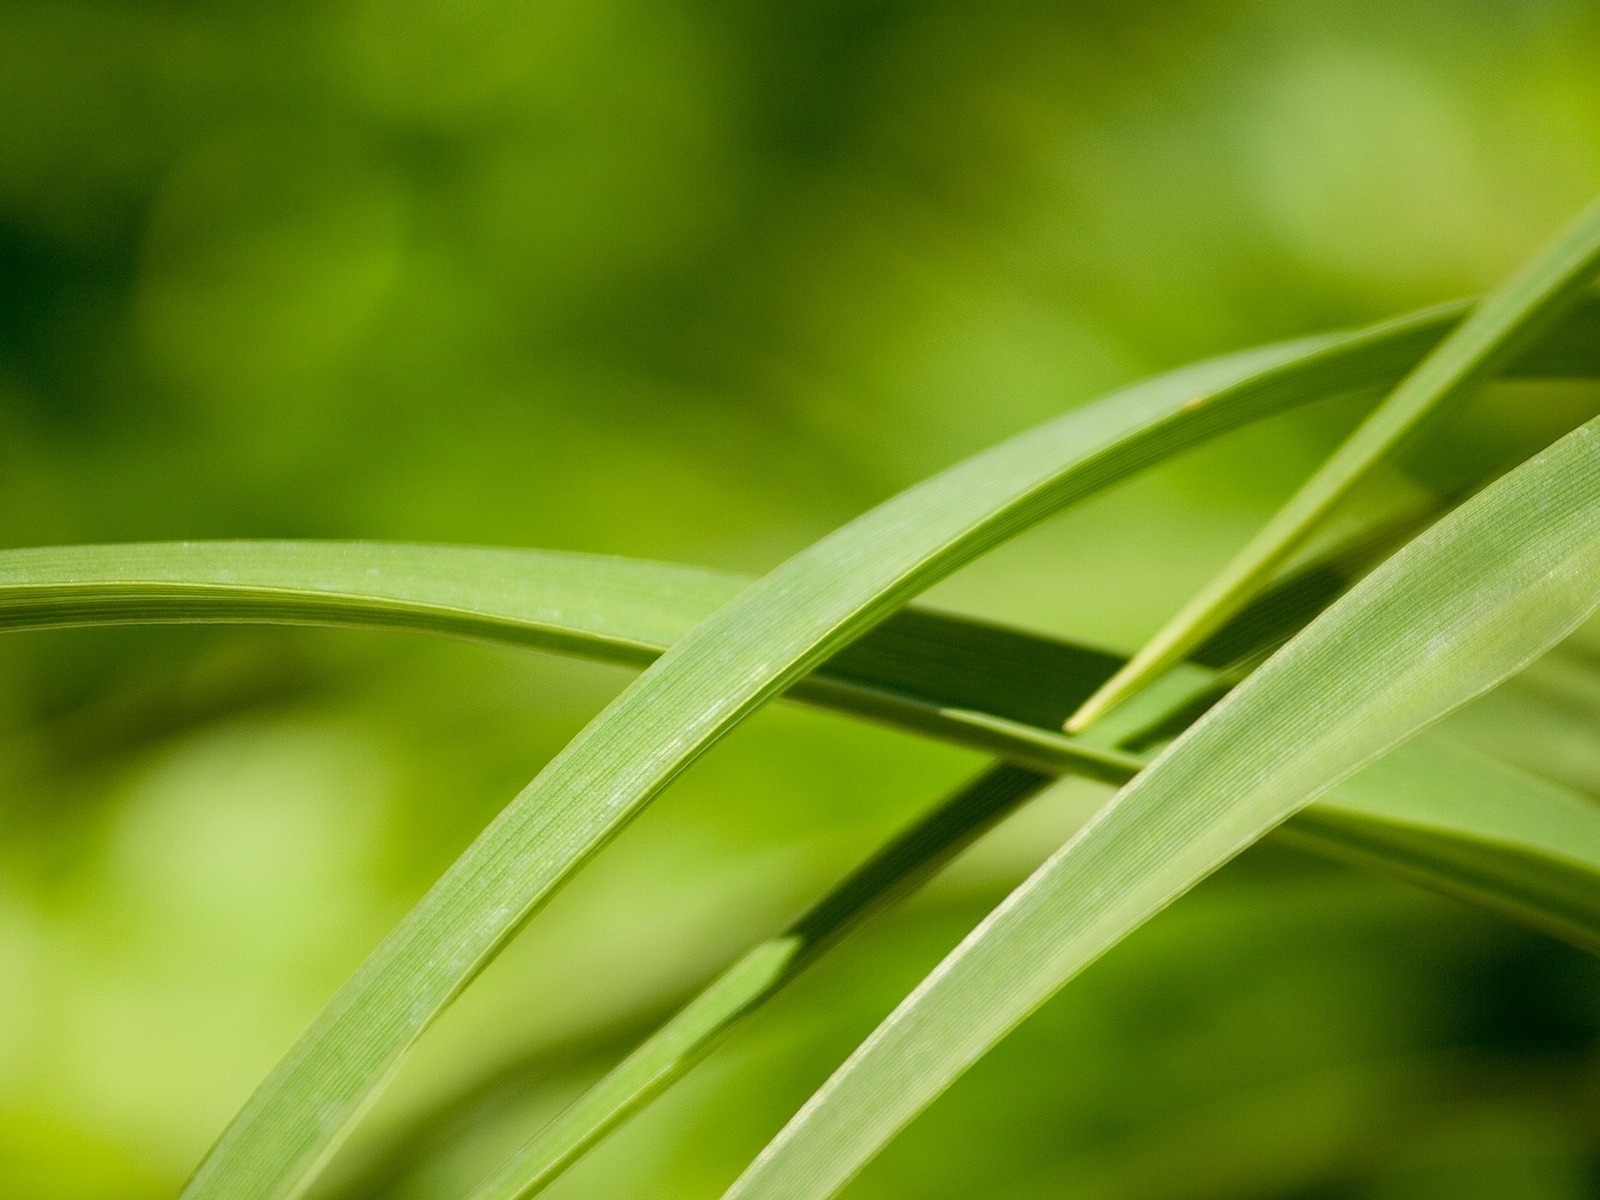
(700, 280)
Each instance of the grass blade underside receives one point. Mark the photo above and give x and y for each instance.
(1504, 323)
(1470, 602)
(1458, 823)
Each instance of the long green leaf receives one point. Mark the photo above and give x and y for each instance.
(751, 650)
(1470, 602)
(629, 611)
(1472, 829)
(1463, 825)
(760, 973)
(1504, 323)
(969, 682)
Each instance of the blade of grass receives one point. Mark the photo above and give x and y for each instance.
(979, 685)
(603, 608)
(1504, 323)
(629, 611)
(1468, 603)
(751, 650)
(1471, 827)
(761, 972)
(949, 677)
(1460, 824)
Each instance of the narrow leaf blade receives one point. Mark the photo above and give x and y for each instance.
(744, 655)
(1470, 602)
(1502, 325)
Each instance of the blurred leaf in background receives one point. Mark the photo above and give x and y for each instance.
(699, 281)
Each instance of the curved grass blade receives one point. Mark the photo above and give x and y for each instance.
(753, 648)
(1464, 825)
(896, 870)
(765, 639)
(618, 610)
(1468, 603)
(1502, 325)
(1520, 837)
(750, 650)
(1461, 824)
(1471, 827)
(979, 685)
(628, 611)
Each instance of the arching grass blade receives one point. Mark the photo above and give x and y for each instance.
(1520, 838)
(1501, 326)
(761, 972)
(763, 641)
(1468, 603)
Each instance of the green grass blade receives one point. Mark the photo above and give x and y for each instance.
(628, 611)
(752, 649)
(755, 647)
(1470, 827)
(1502, 325)
(741, 657)
(1458, 823)
(1470, 602)
(921, 670)
(894, 871)
(613, 609)
(1463, 825)
(983, 686)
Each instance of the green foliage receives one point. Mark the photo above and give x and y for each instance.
(1498, 327)
(1320, 862)
(1499, 581)
(1475, 599)
(722, 671)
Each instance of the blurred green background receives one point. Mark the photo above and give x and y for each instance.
(700, 280)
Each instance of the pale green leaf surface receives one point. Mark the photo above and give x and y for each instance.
(741, 657)
(1470, 602)
(1504, 323)
(749, 651)
(898, 868)
(614, 609)
(983, 686)
(1458, 823)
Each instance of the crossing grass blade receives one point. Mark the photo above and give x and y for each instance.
(976, 684)
(759, 974)
(1470, 827)
(1468, 603)
(1456, 822)
(1534, 849)
(968, 682)
(1504, 323)
(1463, 825)
(751, 650)
(918, 661)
